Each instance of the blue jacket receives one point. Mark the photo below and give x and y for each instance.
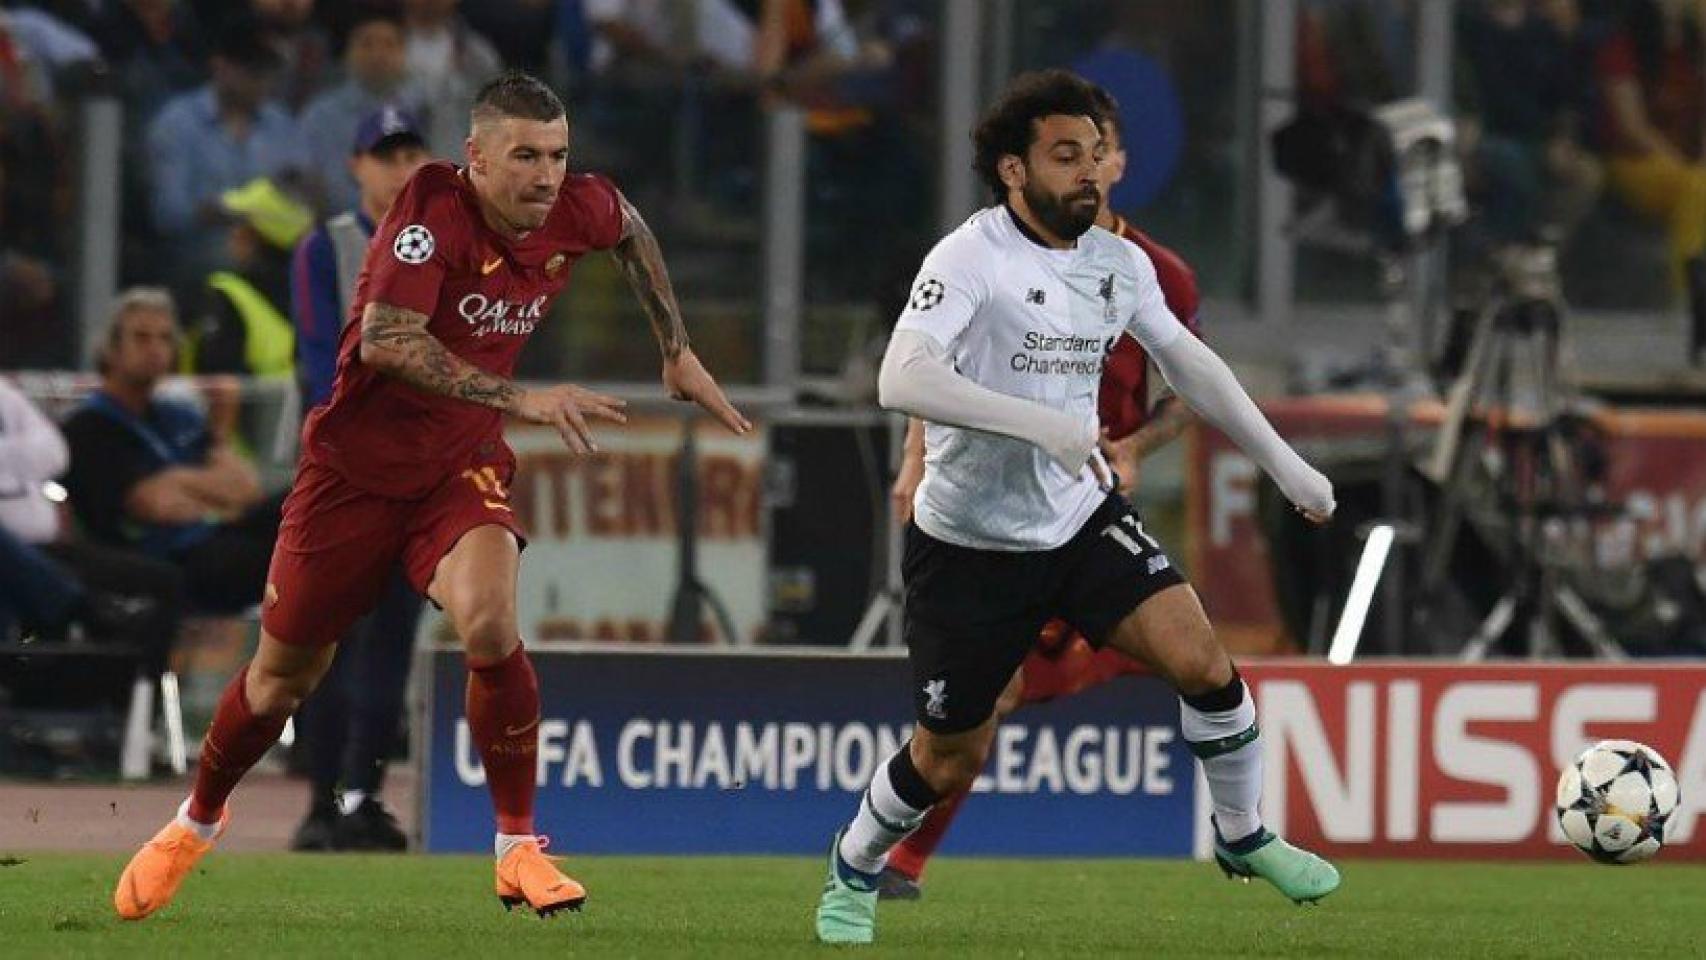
(316, 314)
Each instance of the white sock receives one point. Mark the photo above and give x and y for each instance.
(883, 820)
(505, 842)
(351, 801)
(1229, 747)
(206, 831)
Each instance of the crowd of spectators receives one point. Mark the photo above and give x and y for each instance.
(1569, 106)
(1565, 108)
(218, 95)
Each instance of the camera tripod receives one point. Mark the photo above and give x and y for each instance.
(692, 594)
(1519, 454)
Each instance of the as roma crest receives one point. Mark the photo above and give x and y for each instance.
(555, 264)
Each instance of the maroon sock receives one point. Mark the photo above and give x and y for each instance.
(503, 716)
(235, 741)
(910, 856)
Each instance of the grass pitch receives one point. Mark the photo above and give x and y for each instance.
(418, 907)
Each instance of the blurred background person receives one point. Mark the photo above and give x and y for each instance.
(213, 139)
(297, 38)
(449, 61)
(521, 31)
(387, 147)
(375, 74)
(242, 326)
(157, 49)
(1652, 74)
(52, 583)
(349, 726)
(34, 221)
(29, 290)
(1529, 84)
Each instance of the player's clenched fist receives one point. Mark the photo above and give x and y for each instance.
(568, 408)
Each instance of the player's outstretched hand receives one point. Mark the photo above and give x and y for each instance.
(687, 379)
(568, 408)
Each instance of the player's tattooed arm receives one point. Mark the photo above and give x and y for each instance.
(684, 377)
(396, 341)
(641, 260)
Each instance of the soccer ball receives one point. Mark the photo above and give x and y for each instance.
(1613, 801)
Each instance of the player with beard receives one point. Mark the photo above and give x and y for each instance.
(1000, 351)
(407, 464)
(1140, 417)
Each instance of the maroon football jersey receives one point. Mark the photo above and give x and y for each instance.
(435, 255)
(1123, 400)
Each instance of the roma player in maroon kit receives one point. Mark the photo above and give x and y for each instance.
(407, 462)
(1137, 423)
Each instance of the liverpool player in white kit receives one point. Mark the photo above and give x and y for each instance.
(1000, 351)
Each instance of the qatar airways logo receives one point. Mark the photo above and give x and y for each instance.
(486, 315)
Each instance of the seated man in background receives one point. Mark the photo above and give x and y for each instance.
(148, 472)
(49, 583)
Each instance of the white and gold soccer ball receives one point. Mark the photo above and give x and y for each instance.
(1613, 801)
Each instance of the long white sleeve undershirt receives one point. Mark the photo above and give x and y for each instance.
(1203, 380)
(917, 379)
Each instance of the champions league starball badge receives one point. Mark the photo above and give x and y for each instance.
(927, 293)
(414, 244)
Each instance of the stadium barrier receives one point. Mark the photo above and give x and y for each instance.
(720, 751)
(765, 751)
(1441, 760)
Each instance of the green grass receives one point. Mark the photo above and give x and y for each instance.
(416, 907)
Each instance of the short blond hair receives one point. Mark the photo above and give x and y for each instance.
(132, 300)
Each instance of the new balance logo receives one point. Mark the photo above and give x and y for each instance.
(936, 699)
(1035, 296)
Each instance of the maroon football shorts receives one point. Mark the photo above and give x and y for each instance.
(339, 543)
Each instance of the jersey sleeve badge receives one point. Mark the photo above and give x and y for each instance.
(927, 293)
(414, 244)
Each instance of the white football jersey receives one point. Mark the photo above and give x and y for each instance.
(1032, 322)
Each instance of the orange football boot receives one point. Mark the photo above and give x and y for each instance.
(152, 877)
(526, 875)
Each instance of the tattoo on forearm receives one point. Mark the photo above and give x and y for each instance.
(641, 260)
(1166, 423)
(421, 360)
